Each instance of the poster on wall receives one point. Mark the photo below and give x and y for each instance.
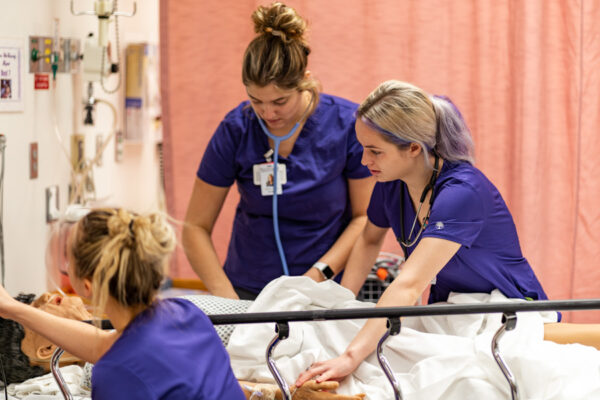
(11, 74)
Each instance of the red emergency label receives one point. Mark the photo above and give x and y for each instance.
(41, 81)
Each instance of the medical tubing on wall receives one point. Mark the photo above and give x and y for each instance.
(277, 140)
(104, 54)
(78, 187)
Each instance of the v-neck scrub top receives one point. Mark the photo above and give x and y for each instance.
(169, 351)
(314, 208)
(469, 210)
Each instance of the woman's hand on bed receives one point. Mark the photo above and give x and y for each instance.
(335, 369)
(312, 390)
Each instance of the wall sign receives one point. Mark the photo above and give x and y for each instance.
(11, 74)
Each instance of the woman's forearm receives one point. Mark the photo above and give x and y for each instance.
(337, 256)
(202, 256)
(82, 340)
(361, 261)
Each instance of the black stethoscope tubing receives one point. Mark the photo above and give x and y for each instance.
(430, 186)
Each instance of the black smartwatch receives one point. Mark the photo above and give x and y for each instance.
(325, 270)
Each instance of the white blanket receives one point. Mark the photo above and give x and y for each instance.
(45, 388)
(445, 357)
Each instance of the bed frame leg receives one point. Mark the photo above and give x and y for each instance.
(283, 331)
(60, 381)
(393, 325)
(509, 322)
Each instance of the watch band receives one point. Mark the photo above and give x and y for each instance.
(325, 270)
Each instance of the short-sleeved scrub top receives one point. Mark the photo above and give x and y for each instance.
(469, 210)
(314, 207)
(169, 351)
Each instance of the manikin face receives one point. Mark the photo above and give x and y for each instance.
(385, 160)
(279, 108)
(38, 348)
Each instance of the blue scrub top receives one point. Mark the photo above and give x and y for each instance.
(314, 208)
(469, 210)
(169, 351)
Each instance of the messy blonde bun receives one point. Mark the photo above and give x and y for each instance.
(279, 53)
(123, 254)
(281, 21)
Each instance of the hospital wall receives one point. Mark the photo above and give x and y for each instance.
(525, 74)
(132, 182)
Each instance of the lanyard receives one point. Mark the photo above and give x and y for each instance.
(404, 242)
(277, 141)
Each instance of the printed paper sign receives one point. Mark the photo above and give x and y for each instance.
(11, 70)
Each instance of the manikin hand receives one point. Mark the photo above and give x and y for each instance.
(311, 390)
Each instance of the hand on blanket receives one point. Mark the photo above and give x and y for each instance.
(312, 390)
(335, 369)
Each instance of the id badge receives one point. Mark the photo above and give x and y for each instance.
(263, 176)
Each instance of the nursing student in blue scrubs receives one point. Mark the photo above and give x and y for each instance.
(450, 220)
(323, 190)
(163, 349)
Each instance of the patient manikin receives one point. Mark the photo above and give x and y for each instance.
(26, 354)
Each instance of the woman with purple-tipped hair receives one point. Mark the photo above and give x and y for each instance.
(450, 220)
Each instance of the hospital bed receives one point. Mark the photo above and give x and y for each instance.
(282, 321)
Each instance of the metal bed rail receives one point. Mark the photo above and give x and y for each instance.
(393, 315)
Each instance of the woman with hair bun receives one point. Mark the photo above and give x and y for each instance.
(322, 188)
(160, 348)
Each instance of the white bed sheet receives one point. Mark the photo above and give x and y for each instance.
(45, 387)
(445, 357)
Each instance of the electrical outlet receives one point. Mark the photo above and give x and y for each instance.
(33, 160)
(52, 212)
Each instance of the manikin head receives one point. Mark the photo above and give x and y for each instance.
(26, 354)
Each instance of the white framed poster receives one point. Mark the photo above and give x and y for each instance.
(11, 75)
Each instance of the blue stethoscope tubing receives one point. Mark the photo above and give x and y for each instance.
(277, 140)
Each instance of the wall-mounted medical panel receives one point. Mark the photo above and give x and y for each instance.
(43, 53)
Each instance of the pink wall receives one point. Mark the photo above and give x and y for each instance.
(525, 74)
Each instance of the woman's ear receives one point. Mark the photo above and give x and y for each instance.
(45, 352)
(414, 149)
(87, 288)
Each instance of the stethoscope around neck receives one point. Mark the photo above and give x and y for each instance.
(277, 141)
(405, 242)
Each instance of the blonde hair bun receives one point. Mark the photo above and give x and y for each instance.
(279, 20)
